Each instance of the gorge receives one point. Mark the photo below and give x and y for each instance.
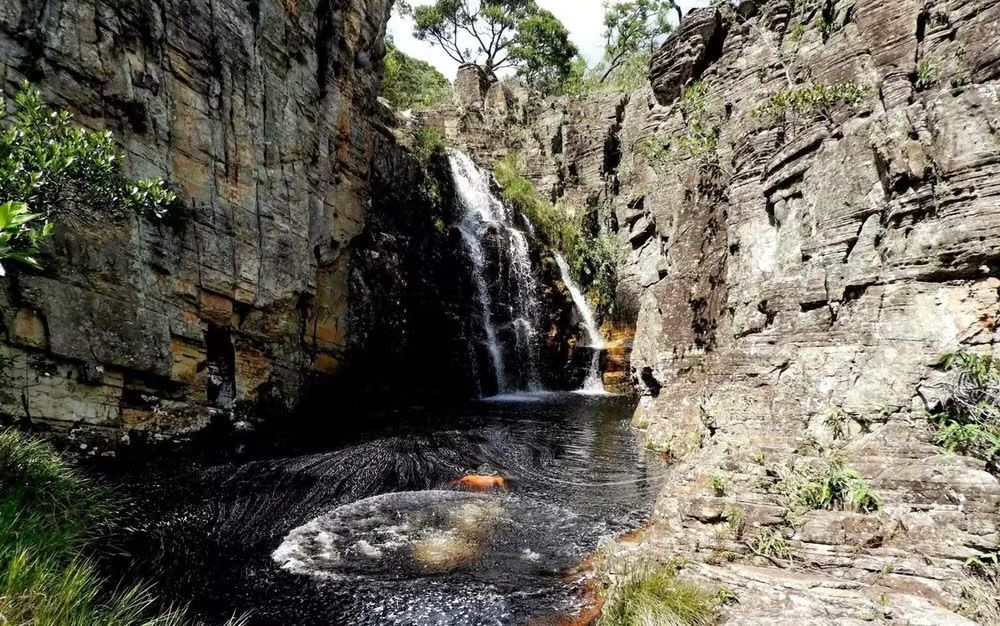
(727, 324)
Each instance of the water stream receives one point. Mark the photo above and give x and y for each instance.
(372, 530)
(594, 383)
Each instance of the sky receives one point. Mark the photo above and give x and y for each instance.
(583, 18)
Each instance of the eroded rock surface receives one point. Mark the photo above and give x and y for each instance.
(286, 266)
(795, 285)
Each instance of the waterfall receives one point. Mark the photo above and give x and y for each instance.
(503, 277)
(593, 383)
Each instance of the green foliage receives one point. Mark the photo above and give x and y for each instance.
(835, 488)
(501, 33)
(49, 516)
(657, 595)
(769, 542)
(816, 101)
(593, 259)
(21, 233)
(51, 170)
(970, 421)
(410, 83)
(427, 141)
(543, 51)
(633, 29)
(927, 74)
(736, 520)
(987, 562)
(698, 144)
(718, 485)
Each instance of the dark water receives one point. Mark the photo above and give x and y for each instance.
(370, 533)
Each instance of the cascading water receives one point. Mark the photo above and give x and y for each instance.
(506, 287)
(593, 383)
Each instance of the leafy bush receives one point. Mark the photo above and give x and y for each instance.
(51, 170)
(698, 143)
(970, 420)
(816, 101)
(656, 595)
(410, 83)
(49, 517)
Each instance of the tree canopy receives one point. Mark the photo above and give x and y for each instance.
(634, 28)
(496, 35)
(410, 83)
(543, 51)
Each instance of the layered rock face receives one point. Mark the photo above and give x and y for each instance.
(798, 283)
(795, 283)
(263, 114)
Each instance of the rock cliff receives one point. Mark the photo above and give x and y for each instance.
(798, 284)
(264, 115)
(796, 270)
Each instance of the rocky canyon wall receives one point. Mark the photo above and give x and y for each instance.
(795, 276)
(798, 284)
(264, 116)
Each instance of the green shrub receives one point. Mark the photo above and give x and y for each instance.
(410, 83)
(816, 101)
(718, 485)
(656, 595)
(427, 141)
(51, 170)
(927, 74)
(50, 517)
(769, 542)
(970, 420)
(834, 488)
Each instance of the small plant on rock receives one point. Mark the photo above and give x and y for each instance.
(718, 485)
(769, 542)
(838, 488)
(927, 74)
(969, 422)
(818, 101)
(657, 595)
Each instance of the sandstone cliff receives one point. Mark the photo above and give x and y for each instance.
(265, 117)
(797, 294)
(795, 285)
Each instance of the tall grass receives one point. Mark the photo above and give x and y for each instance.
(655, 596)
(50, 518)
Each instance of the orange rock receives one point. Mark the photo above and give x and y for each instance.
(480, 483)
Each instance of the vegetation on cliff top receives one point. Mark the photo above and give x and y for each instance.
(51, 517)
(496, 35)
(52, 171)
(592, 257)
(410, 83)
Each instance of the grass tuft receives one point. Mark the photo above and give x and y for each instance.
(657, 596)
(50, 517)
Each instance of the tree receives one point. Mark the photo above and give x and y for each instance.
(543, 50)
(51, 170)
(634, 28)
(410, 83)
(486, 32)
